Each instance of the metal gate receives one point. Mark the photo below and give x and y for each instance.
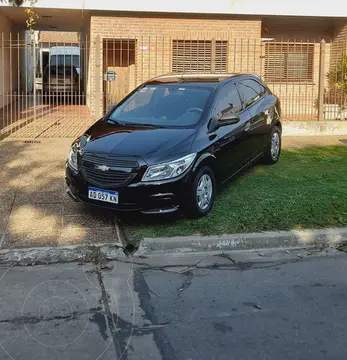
(309, 77)
(42, 88)
(59, 89)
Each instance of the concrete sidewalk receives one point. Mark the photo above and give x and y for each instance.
(34, 209)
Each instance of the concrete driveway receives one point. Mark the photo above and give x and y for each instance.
(63, 117)
(34, 209)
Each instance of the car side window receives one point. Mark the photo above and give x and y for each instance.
(228, 100)
(252, 91)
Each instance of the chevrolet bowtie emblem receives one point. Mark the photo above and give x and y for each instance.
(102, 167)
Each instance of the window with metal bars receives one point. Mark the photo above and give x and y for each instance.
(289, 62)
(199, 56)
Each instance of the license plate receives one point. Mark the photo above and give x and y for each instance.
(103, 195)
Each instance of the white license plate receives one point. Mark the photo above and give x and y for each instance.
(103, 195)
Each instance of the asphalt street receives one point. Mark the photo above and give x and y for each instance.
(283, 304)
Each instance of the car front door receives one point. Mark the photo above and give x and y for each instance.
(231, 149)
(255, 100)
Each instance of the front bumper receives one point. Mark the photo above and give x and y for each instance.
(148, 198)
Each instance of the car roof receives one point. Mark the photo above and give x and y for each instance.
(194, 78)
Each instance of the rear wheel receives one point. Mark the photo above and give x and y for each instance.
(202, 193)
(273, 150)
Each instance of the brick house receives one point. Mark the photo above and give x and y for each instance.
(285, 51)
(289, 49)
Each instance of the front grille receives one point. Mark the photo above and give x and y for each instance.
(109, 160)
(106, 180)
(119, 173)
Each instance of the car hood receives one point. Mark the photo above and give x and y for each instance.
(150, 143)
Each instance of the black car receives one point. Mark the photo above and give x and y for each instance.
(169, 142)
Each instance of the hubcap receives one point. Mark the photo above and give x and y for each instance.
(275, 145)
(204, 192)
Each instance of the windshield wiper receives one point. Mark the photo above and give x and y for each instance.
(120, 123)
(144, 124)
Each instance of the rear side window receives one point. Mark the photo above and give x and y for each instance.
(228, 100)
(252, 91)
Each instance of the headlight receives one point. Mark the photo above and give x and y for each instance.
(72, 157)
(168, 170)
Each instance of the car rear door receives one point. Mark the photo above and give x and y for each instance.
(255, 99)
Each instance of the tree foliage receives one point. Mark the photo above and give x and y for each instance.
(337, 78)
(32, 16)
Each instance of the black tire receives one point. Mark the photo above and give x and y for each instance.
(193, 209)
(269, 157)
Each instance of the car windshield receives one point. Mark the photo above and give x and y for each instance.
(65, 60)
(165, 105)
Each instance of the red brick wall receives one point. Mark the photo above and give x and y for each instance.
(169, 26)
(339, 44)
(55, 38)
(155, 35)
(154, 41)
(337, 51)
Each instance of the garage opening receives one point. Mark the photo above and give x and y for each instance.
(43, 80)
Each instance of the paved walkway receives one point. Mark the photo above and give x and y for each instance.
(59, 117)
(34, 209)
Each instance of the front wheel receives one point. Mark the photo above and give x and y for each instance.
(202, 193)
(273, 149)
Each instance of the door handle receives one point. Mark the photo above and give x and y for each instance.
(247, 126)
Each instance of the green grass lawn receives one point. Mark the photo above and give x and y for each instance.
(306, 189)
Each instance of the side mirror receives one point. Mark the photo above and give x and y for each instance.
(228, 119)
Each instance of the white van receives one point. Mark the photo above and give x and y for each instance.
(66, 55)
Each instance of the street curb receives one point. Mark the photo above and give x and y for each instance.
(58, 254)
(188, 244)
(264, 240)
